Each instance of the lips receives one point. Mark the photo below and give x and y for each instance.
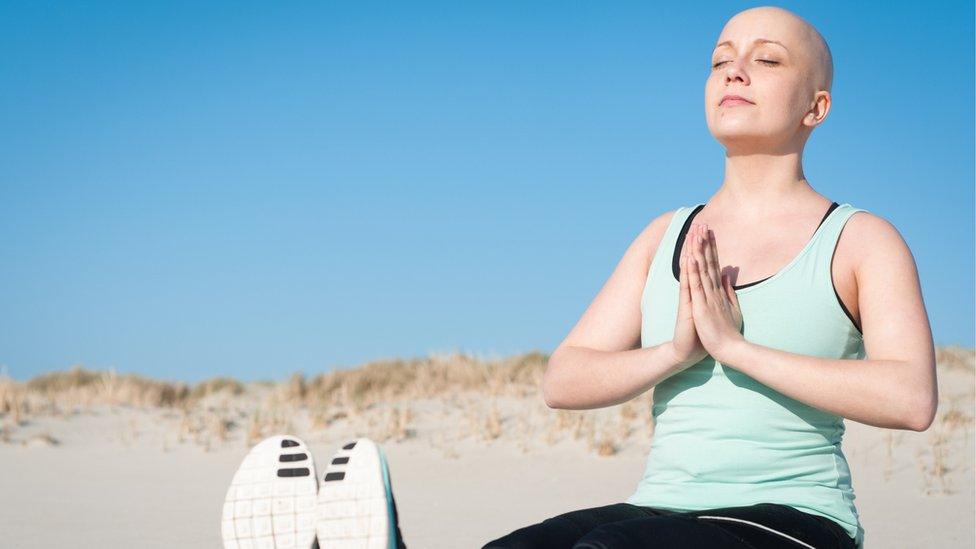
(735, 100)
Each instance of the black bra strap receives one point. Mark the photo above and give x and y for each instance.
(676, 258)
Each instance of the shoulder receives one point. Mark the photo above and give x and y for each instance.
(875, 243)
(652, 233)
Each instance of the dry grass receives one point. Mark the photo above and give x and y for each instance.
(955, 357)
(478, 400)
(372, 399)
(938, 460)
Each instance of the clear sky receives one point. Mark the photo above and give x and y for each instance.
(191, 189)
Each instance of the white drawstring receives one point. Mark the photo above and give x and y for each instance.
(760, 526)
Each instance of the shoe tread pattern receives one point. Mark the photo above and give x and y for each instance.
(353, 508)
(271, 500)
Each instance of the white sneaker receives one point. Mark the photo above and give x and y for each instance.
(355, 506)
(271, 500)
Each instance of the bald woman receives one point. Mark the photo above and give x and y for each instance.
(751, 315)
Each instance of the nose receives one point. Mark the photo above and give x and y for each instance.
(734, 72)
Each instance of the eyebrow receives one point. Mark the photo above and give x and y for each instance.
(756, 41)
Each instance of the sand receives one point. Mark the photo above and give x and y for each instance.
(120, 477)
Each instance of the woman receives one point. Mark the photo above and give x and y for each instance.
(753, 367)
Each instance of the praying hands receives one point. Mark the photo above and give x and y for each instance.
(714, 305)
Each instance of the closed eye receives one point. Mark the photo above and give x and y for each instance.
(767, 61)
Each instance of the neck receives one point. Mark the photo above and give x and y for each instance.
(761, 185)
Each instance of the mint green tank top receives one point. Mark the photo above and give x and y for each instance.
(723, 439)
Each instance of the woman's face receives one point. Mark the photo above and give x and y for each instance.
(766, 68)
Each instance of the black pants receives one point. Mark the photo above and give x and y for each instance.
(626, 526)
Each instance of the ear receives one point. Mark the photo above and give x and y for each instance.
(818, 110)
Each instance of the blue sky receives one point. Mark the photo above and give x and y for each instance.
(253, 189)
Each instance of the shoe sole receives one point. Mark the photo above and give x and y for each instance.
(271, 500)
(354, 508)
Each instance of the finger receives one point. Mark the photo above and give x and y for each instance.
(694, 281)
(713, 252)
(688, 249)
(715, 268)
(711, 266)
(689, 241)
(684, 294)
(706, 275)
(704, 278)
(686, 246)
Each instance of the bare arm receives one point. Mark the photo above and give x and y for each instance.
(600, 363)
(896, 386)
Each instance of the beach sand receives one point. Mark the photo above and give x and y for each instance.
(119, 476)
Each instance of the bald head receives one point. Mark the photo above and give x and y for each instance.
(813, 50)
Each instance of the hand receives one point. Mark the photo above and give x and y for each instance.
(687, 346)
(714, 305)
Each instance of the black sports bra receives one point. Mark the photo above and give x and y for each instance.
(675, 261)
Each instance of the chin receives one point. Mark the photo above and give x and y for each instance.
(742, 139)
(741, 131)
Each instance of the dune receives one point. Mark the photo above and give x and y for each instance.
(98, 459)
